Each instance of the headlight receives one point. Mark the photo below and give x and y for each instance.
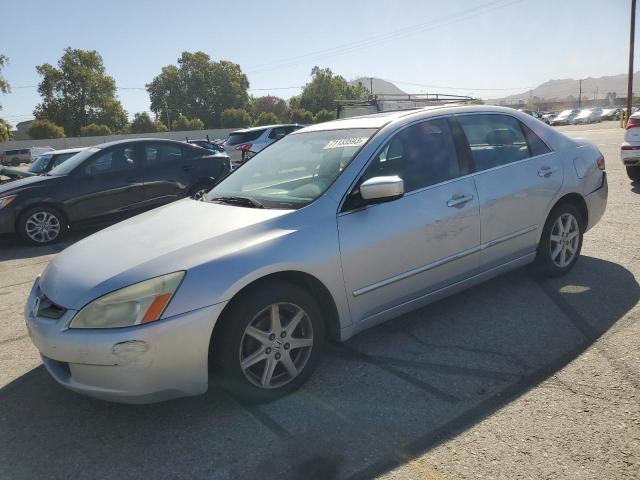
(142, 302)
(4, 201)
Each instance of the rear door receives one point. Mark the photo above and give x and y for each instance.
(167, 173)
(108, 184)
(517, 177)
(395, 252)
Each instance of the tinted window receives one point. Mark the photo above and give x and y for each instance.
(58, 159)
(76, 160)
(244, 137)
(422, 155)
(494, 139)
(40, 163)
(114, 160)
(536, 145)
(162, 153)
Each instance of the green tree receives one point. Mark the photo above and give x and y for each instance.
(142, 123)
(266, 118)
(4, 85)
(43, 128)
(79, 93)
(183, 123)
(325, 88)
(5, 130)
(271, 104)
(198, 88)
(235, 118)
(325, 116)
(300, 115)
(95, 130)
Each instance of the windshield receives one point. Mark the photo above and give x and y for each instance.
(73, 162)
(40, 163)
(296, 170)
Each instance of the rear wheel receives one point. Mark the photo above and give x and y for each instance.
(634, 173)
(561, 241)
(269, 342)
(41, 225)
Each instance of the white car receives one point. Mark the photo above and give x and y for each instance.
(630, 149)
(241, 144)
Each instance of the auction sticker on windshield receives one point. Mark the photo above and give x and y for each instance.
(346, 142)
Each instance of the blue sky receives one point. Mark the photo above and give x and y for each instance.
(460, 46)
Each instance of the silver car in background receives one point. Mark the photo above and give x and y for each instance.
(242, 144)
(333, 229)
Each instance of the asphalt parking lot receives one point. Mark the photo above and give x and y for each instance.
(517, 378)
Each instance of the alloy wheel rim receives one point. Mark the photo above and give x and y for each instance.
(276, 345)
(565, 236)
(42, 227)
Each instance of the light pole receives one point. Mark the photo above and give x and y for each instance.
(632, 33)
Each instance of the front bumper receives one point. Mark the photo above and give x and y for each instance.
(142, 364)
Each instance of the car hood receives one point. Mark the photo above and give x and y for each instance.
(14, 172)
(24, 183)
(175, 237)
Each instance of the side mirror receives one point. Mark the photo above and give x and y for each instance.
(382, 189)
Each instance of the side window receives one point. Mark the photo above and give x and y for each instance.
(536, 145)
(159, 154)
(277, 133)
(494, 139)
(61, 158)
(115, 160)
(422, 155)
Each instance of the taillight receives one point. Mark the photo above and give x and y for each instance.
(633, 123)
(244, 147)
(600, 162)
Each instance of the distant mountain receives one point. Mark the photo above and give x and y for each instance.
(379, 86)
(569, 87)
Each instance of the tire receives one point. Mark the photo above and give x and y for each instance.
(250, 317)
(634, 173)
(29, 221)
(15, 162)
(198, 192)
(559, 251)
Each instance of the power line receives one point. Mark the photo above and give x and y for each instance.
(383, 38)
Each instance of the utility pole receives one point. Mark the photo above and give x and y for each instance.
(632, 33)
(371, 85)
(580, 95)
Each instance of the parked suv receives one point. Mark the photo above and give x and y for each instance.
(249, 141)
(24, 155)
(40, 165)
(106, 183)
(332, 230)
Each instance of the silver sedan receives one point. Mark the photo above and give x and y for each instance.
(333, 229)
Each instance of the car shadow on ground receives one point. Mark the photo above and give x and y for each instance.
(383, 398)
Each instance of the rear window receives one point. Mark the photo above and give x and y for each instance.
(237, 138)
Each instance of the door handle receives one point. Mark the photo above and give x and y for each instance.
(457, 200)
(546, 172)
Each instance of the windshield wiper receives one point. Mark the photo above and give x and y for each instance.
(240, 201)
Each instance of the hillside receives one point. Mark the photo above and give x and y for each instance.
(563, 88)
(379, 86)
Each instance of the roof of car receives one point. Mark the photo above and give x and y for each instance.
(67, 150)
(378, 120)
(136, 140)
(264, 127)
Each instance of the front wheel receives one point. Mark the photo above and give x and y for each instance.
(634, 173)
(561, 241)
(269, 342)
(41, 225)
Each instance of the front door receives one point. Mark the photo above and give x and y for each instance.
(394, 253)
(108, 185)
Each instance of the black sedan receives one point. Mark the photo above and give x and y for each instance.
(107, 183)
